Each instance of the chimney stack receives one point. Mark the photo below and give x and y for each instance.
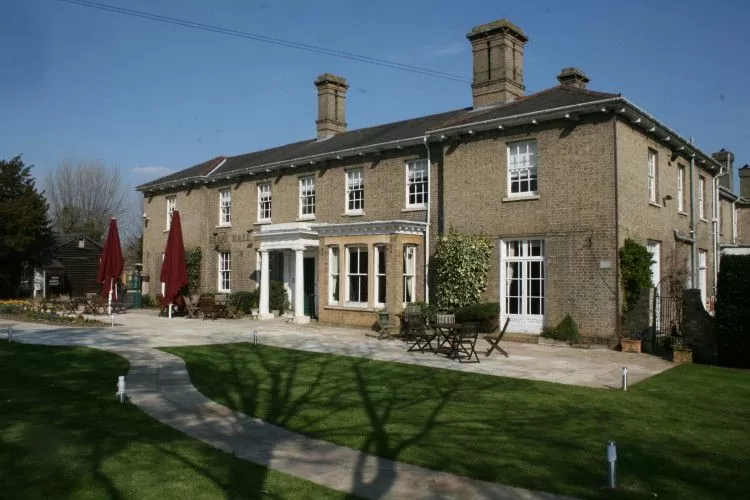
(745, 182)
(573, 77)
(726, 158)
(497, 49)
(331, 105)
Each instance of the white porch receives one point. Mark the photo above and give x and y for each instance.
(296, 241)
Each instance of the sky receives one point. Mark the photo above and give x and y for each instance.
(80, 84)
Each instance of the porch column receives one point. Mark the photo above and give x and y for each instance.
(264, 313)
(299, 281)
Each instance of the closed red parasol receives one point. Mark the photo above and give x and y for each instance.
(174, 273)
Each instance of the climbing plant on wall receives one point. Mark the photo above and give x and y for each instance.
(193, 258)
(635, 271)
(461, 265)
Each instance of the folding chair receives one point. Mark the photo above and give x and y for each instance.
(191, 308)
(163, 305)
(495, 339)
(421, 335)
(466, 341)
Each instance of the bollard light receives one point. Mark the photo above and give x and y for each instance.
(255, 337)
(624, 378)
(10, 333)
(121, 388)
(612, 459)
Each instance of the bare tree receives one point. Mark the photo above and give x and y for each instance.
(83, 196)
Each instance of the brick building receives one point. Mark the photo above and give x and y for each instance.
(558, 179)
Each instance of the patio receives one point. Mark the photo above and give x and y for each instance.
(600, 368)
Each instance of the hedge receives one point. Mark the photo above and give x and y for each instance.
(733, 311)
(485, 313)
(566, 331)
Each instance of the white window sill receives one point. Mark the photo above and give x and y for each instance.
(521, 198)
(356, 305)
(166, 230)
(415, 208)
(348, 307)
(261, 222)
(653, 204)
(224, 291)
(681, 212)
(702, 219)
(223, 226)
(304, 218)
(359, 213)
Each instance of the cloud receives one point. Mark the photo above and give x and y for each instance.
(151, 171)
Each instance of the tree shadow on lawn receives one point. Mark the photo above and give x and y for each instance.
(65, 435)
(532, 434)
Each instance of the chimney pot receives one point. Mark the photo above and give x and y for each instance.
(331, 105)
(573, 77)
(745, 182)
(726, 158)
(497, 49)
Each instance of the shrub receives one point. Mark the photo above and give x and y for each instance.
(278, 299)
(461, 265)
(429, 311)
(635, 272)
(149, 301)
(733, 311)
(487, 314)
(566, 330)
(245, 301)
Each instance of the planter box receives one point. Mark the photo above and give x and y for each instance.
(682, 356)
(630, 345)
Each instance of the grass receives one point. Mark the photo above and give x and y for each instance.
(681, 434)
(65, 435)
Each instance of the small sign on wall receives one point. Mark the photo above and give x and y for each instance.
(605, 264)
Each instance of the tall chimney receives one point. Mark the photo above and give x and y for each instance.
(745, 182)
(331, 105)
(726, 158)
(498, 62)
(573, 77)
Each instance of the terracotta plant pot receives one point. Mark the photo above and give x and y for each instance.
(631, 345)
(682, 356)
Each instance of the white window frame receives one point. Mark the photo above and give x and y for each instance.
(409, 274)
(378, 273)
(653, 172)
(523, 320)
(225, 272)
(418, 181)
(680, 188)
(701, 197)
(225, 207)
(171, 207)
(334, 275)
(265, 195)
(307, 197)
(523, 167)
(362, 272)
(355, 184)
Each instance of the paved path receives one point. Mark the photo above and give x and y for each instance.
(158, 383)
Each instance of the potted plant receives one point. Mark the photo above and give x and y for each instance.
(681, 352)
(631, 344)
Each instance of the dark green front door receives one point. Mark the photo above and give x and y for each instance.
(308, 270)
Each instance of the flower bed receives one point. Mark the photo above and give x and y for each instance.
(42, 312)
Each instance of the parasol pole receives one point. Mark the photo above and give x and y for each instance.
(170, 310)
(109, 302)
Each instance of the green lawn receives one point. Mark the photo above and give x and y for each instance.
(682, 434)
(63, 434)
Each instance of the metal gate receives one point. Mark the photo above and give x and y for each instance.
(666, 320)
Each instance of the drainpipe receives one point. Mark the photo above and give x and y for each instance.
(693, 224)
(715, 220)
(734, 221)
(427, 228)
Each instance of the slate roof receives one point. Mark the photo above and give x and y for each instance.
(554, 97)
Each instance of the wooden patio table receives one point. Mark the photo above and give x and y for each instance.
(446, 333)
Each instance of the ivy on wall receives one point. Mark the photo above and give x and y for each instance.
(193, 258)
(462, 262)
(635, 271)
